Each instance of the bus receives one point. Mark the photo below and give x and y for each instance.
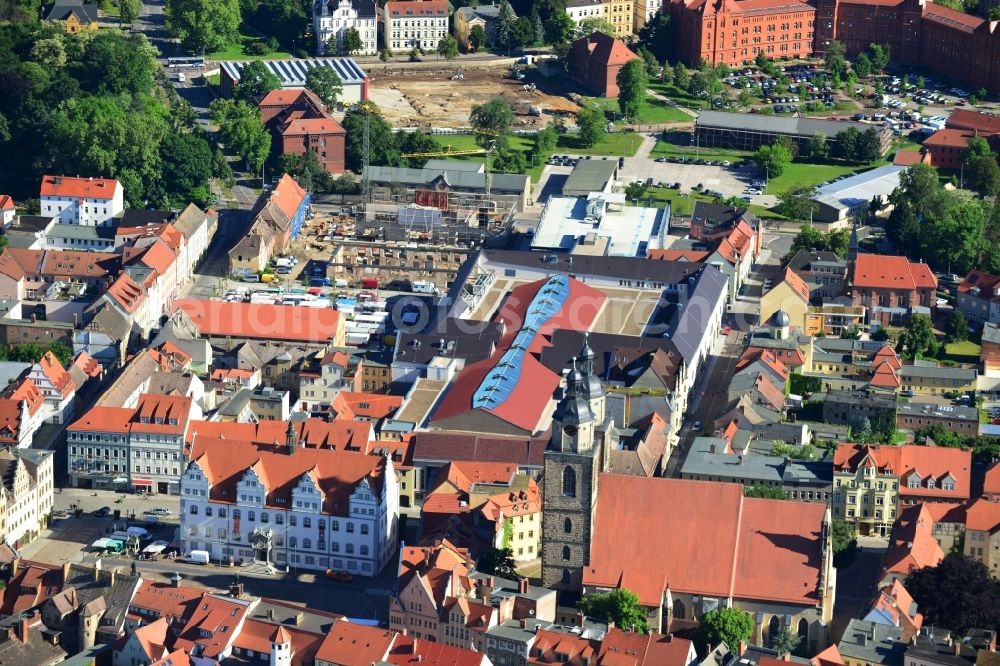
(186, 62)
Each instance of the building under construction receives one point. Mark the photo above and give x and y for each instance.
(449, 184)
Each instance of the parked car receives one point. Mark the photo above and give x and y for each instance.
(341, 576)
(103, 512)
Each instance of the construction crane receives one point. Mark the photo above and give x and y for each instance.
(367, 107)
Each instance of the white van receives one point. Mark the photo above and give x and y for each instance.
(424, 288)
(340, 283)
(198, 557)
(180, 77)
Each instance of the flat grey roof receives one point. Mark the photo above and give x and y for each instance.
(509, 182)
(792, 125)
(933, 371)
(590, 176)
(861, 187)
(754, 467)
(932, 409)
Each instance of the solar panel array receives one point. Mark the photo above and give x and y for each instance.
(292, 72)
(498, 384)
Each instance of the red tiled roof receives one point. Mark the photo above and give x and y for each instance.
(952, 17)
(166, 601)
(90, 366)
(56, 373)
(935, 462)
(352, 644)
(978, 284)
(983, 515)
(26, 391)
(416, 8)
(153, 637)
(578, 651)
(678, 255)
(338, 435)
(162, 414)
(408, 650)
(991, 484)
(6, 202)
(159, 257)
(946, 512)
(445, 446)
(889, 355)
(212, 625)
(281, 97)
(606, 50)
(175, 658)
(627, 648)
(33, 584)
(795, 281)
(335, 473)
(907, 157)
(288, 195)
(885, 376)
(261, 320)
(127, 293)
(312, 126)
(828, 657)
(896, 602)
(257, 636)
(371, 405)
(104, 419)
(878, 271)
(951, 138)
(912, 544)
(80, 188)
(737, 542)
(985, 123)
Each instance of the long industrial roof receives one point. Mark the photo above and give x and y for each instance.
(791, 125)
(292, 72)
(861, 188)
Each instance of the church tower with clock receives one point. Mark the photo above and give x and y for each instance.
(578, 452)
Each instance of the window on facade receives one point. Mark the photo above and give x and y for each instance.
(364, 529)
(279, 519)
(335, 525)
(307, 522)
(251, 515)
(263, 517)
(307, 543)
(194, 510)
(567, 526)
(350, 527)
(208, 511)
(293, 520)
(569, 482)
(350, 549)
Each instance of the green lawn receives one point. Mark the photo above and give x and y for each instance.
(806, 175)
(653, 112)
(238, 51)
(614, 144)
(678, 95)
(682, 202)
(668, 149)
(962, 352)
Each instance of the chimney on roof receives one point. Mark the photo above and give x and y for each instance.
(958, 648)
(22, 627)
(711, 448)
(581, 619)
(742, 647)
(522, 586)
(175, 580)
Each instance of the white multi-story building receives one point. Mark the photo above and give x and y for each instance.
(91, 202)
(156, 441)
(317, 390)
(26, 491)
(332, 19)
(414, 24)
(290, 505)
(97, 448)
(58, 387)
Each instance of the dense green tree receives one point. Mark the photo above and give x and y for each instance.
(982, 174)
(538, 25)
(326, 83)
(523, 33)
(203, 25)
(448, 47)
(307, 170)
(352, 41)
(507, 160)
(774, 158)
(620, 606)
(844, 538)
(918, 338)
(220, 167)
(498, 562)
(956, 327)
(879, 55)
(862, 66)
(632, 83)
(559, 28)
(128, 11)
(187, 166)
(729, 625)
(816, 147)
(845, 144)
(635, 189)
(592, 123)
(799, 203)
(958, 594)
(657, 35)
(50, 53)
(182, 115)
(836, 63)
(869, 145)
(545, 142)
(682, 78)
(241, 131)
(785, 642)
(384, 150)
(411, 143)
(477, 37)
(493, 118)
(256, 80)
(116, 63)
(592, 24)
(649, 59)
(505, 25)
(765, 492)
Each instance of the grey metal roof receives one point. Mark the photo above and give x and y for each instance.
(687, 319)
(590, 176)
(770, 469)
(873, 643)
(81, 232)
(991, 333)
(506, 182)
(292, 72)
(968, 374)
(916, 407)
(485, 12)
(64, 8)
(791, 125)
(861, 188)
(454, 165)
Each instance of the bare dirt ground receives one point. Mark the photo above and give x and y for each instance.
(431, 99)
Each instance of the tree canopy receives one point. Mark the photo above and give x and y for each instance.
(498, 562)
(775, 158)
(958, 594)
(256, 80)
(203, 25)
(592, 124)
(495, 117)
(731, 625)
(326, 83)
(620, 606)
(632, 80)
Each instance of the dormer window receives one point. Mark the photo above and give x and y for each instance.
(930, 482)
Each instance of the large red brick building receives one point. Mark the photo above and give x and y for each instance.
(595, 61)
(919, 33)
(299, 121)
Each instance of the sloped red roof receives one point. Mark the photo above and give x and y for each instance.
(983, 515)
(355, 644)
(885, 376)
(408, 650)
(880, 271)
(27, 391)
(81, 188)
(159, 257)
(6, 202)
(312, 126)
(212, 626)
(257, 636)
(371, 405)
(738, 542)
(952, 17)
(991, 485)
(678, 255)
(127, 293)
(261, 320)
(908, 157)
(628, 648)
(912, 544)
(104, 419)
(90, 366)
(967, 119)
(935, 462)
(288, 195)
(795, 281)
(416, 8)
(950, 138)
(56, 373)
(828, 657)
(606, 50)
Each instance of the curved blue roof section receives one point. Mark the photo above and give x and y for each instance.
(498, 384)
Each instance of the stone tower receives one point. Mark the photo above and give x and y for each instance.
(582, 437)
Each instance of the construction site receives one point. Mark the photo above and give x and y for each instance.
(444, 98)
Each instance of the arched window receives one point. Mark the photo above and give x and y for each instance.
(804, 633)
(679, 611)
(569, 482)
(567, 526)
(772, 629)
(565, 552)
(565, 577)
